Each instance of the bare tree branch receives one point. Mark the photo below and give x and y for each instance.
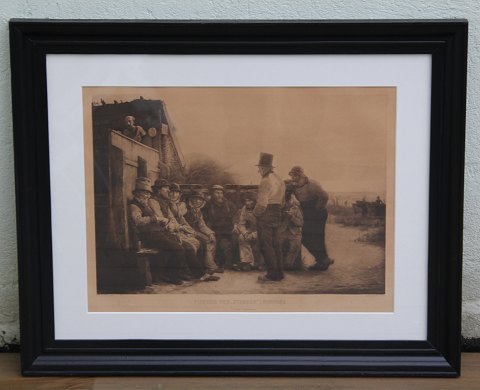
(205, 170)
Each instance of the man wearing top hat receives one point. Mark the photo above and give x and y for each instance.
(219, 213)
(150, 230)
(313, 201)
(268, 210)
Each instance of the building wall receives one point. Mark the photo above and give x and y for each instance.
(131, 155)
(171, 159)
(248, 9)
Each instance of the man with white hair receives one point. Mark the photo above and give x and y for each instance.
(133, 131)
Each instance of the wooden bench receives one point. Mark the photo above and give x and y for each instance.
(148, 270)
(143, 262)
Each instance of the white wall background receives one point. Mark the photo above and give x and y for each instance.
(247, 9)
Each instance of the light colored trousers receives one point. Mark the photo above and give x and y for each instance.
(249, 251)
(210, 248)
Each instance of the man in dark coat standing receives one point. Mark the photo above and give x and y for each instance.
(313, 201)
(268, 210)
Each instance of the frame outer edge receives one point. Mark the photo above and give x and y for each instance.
(25, 182)
(458, 161)
(22, 43)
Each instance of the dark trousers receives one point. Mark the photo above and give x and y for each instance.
(268, 225)
(177, 260)
(194, 264)
(313, 232)
(224, 251)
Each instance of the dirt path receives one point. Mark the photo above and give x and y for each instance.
(359, 268)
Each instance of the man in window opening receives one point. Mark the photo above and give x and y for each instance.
(133, 131)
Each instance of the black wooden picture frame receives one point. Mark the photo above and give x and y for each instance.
(439, 355)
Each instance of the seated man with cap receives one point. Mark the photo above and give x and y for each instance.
(151, 231)
(219, 213)
(179, 209)
(246, 228)
(160, 204)
(203, 233)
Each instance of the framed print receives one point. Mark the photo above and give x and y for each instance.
(239, 198)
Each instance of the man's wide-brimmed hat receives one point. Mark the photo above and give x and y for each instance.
(143, 184)
(175, 187)
(266, 160)
(289, 191)
(196, 194)
(289, 187)
(218, 187)
(159, 183)
(249, 195)
(297, 171)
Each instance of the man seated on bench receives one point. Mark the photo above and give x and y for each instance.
(160, 205)
(151, 231)
(179, 209)
(203, 233)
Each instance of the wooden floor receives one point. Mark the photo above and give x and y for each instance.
(10, 379)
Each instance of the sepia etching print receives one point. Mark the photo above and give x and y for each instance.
(240, 199)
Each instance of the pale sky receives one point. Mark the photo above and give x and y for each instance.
(338, 135)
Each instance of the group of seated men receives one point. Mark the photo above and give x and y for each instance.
(201, 235)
